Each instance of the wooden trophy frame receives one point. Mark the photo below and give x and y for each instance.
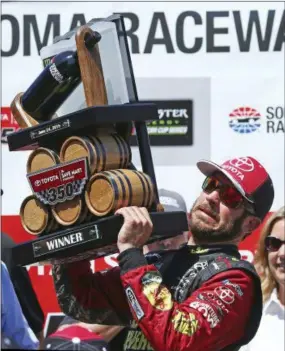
(99, 235)
(91, 70)
(21, 116)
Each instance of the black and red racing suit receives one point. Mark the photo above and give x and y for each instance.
(164, 293)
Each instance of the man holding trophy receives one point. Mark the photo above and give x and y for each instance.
(185, 299)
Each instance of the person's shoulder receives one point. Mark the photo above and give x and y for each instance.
(245, 268)
(230, 268)
(7, 244)
(3, 267)
(230, 259)
(236, 273)
(6, 241)
(5, 276)
(236, 267)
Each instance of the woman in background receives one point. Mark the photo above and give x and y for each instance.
(270, 264)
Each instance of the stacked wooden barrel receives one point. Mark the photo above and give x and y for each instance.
(111, 185)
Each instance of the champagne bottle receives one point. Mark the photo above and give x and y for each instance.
(55, 83)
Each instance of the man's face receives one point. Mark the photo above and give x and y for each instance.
(212, 221)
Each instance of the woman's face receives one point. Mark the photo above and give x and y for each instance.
(276, 259)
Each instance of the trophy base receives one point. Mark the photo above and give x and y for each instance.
(93, 240)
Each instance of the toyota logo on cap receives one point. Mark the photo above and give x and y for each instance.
(244, 164)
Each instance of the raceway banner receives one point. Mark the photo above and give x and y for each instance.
(215, 70)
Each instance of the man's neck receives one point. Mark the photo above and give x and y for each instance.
(192, 241)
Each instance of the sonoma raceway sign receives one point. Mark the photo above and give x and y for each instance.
(249, 27)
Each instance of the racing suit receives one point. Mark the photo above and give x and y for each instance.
(193, 298)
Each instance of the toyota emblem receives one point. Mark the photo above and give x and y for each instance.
(244, 164)
(225, 294)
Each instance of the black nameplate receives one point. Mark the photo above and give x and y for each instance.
(62, 242)
(49, 129)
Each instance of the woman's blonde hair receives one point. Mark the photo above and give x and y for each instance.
(268, 282)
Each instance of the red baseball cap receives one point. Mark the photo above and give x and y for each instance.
(249, 177)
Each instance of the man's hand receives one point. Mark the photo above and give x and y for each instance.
(136, 229)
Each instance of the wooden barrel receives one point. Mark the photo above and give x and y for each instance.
(104, 152)
(70, 212)
(41, 158)
(110, 190)
(35, 216)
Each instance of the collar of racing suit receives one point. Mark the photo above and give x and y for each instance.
(194, 251)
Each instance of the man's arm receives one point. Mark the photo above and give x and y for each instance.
(213, 317)
(91, 297)
(14, 324)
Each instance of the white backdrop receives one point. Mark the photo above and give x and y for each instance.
(251, 78)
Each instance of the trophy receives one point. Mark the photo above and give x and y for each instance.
(80, 169)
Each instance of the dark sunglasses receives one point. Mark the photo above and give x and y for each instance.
(228, 194)
(273, 244)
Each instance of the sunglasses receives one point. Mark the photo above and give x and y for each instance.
(228, 194)
(273, 244)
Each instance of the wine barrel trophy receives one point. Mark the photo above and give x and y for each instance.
(80, 170)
